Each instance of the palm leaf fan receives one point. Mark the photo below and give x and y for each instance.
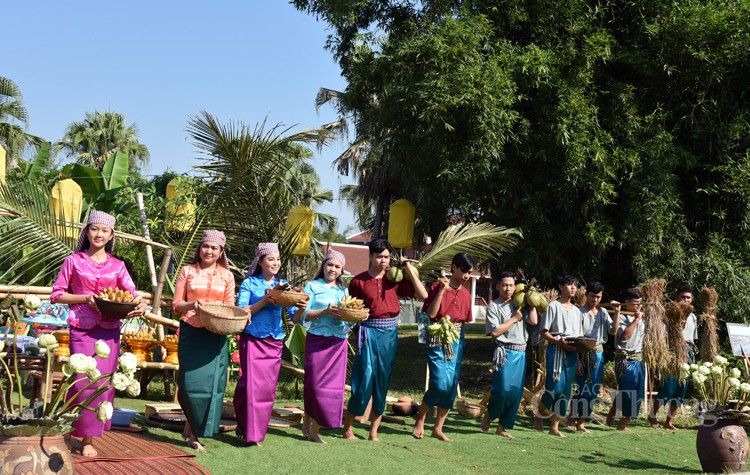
(482, 240)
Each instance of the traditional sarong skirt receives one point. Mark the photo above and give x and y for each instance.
(202, 378)
(671, 390)
(444, 375)
(371, 370)
(557, 393)
(631, 389)
(582, 403)
(506, 391)
(82, 341)
(325, 378)
(260, 361)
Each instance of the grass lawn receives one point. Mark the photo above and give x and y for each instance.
(604, 450)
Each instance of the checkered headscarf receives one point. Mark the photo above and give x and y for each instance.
(332, 254)
(263, 249)
(213, 236)
(98, 217)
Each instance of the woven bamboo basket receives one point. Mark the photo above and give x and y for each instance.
(470, 409)
(353, 315)
(223, 319)
(287, 298)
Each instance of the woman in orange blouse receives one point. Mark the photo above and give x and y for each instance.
(202, 377)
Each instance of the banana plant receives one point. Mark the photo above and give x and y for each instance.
(100, 188)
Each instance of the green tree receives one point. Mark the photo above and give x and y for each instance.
(13, 122)
(100, 135)
(613, 135)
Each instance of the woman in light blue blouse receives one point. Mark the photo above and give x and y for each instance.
(260, 345)
(325, 349)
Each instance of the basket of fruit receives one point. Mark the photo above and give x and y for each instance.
(352, 309)
(223, 319)
(115, 304)
(286, 298)
(170, 343)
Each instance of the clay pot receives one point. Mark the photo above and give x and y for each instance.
(722, 447)
(35, 455)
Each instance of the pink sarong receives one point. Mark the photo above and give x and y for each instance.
(325, 378)
(82, 341)
(260, 361)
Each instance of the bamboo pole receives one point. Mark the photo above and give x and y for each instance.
(21, 291)
(147, 235)
(161, 320)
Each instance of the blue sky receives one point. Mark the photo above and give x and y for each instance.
(159, 62)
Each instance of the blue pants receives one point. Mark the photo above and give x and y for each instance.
(631, 389)
(557, 393)
(582, 403)
(371, 370)
(444, 375)
(671, 390)
(507, 388)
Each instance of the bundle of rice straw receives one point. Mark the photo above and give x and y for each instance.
(708, 300)
(677, 313)
(580, 297)
(541, 356)
(655, 349)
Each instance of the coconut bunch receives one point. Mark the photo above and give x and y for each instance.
(655, 347)
(527, 295)
(708, 300)
(482, 240)
(677, 313)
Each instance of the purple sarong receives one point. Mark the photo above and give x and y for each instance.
(260, 361)
(325, 378)
(82, 341)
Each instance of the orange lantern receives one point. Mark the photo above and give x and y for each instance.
(66, 202)
(401, 224)
(180, 210)
(301, 220)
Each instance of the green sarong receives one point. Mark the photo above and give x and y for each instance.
(202, 378)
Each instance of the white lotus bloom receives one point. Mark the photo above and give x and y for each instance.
(128, 363)
(101, 349)
(735, 373)
(134, 388)
(717, 370)
(734, 382)
(745, 387)
(120, 381)
(92, 374)
(704, 370)
(104, 411)
(46, 340)
(693, 367)
(718, 359)
(81, 363)
(684, 367)
(707, 363)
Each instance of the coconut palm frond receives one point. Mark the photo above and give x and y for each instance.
(34, 243)
(482, 240)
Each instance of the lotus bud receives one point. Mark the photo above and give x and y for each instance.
(120, 381)
(92, 374)
(734, 382)
(104, 411)
(134, 388)
(128, 363)
(735, 373)
(46, 340)
(718, 359)
(745, 387)
(101, 349)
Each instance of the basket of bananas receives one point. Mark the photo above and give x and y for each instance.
(352, 309)
(115, 304)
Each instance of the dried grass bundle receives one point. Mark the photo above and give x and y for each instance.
(708, 300)
(677, 313)
(655, 348)
(579, 298)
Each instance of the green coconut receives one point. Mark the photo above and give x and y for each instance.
(518, 299)
(395, 274)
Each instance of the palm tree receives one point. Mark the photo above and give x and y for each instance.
(13, 121)
(96, 138)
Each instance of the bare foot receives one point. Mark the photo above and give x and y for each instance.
(253, 444)
(539, 424)
(440, 436)
(418, 431)
(373, 437)
(485, 422)
(88, 450)
(556, 432)
(315, 437)
(654, 423)
(349, 435)
(570, 423)
(610, 421)
(306, 426)
(502, 432)
(195, 445)
(623, 428)
(582, 428)
(669, 426)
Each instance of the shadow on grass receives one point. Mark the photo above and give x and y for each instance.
(630, 464)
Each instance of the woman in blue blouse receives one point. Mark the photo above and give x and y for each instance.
(260, 345)
(325, 349)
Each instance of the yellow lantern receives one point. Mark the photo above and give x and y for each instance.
(180, 211)
(401, 224)
(301, 220)
(2, 164)
(66, 202)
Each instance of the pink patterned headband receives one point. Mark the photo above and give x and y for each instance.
(97, 217)
(333, 254)
(263, 249)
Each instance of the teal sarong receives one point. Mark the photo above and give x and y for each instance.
(371, 370)
(671, 390)
(631, 389)
(506, 391)
(444, 375)
(557, 393)
(202, 378)
(582, 403)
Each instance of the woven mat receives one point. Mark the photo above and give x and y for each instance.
(132, 453)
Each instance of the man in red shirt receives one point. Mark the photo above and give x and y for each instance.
(377, 339)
